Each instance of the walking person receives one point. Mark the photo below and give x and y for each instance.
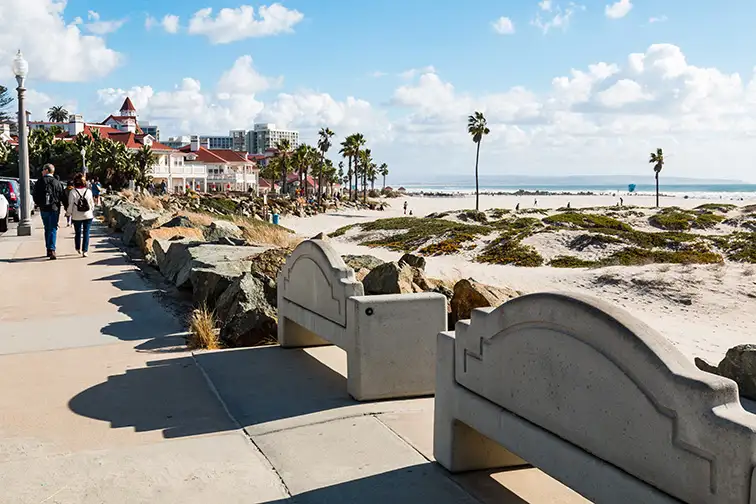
(48, 195)
(81, 209)
(96, 190)
(66, 193)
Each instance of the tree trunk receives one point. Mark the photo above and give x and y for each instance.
(384, 182)
(372, 184)
(320, 179)
(349, 174)
(364, 185)
(477, 189)
(657, 189)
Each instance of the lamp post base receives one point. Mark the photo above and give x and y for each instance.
(24, 228)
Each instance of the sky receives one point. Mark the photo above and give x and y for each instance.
(585, 87)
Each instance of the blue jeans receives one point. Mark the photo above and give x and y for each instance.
(50, 221)
(82, 242)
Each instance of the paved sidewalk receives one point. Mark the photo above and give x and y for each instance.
(100, 403)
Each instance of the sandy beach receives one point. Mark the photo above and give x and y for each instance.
(702, 309)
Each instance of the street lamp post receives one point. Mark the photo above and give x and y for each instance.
(20, 69)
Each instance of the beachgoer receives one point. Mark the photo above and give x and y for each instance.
(96, 189)
(48, 195)
(163, 187)
(81, 209)
(410, 211)
(535, 203)
(405, 208)
(622, 202)
(69, 188)
(517, 208)
(568, 205)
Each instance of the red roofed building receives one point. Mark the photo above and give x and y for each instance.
(227, 170)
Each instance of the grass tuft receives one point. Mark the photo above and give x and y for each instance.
(202, 330)
(586, 221)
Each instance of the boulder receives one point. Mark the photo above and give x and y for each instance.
(739, 365)
(389, 278)
(360, 274)
(269, 263)
(208, 255)
(143, 222)
(183, 221)
(221, 229)
(124, 212)
(358, 262)
(210, 282)
(145, 237)
(469, 294)
(413, 260)
(245, 312)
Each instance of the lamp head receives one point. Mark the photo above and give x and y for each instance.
(20, 66)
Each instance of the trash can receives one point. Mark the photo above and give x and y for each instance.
(275, 219)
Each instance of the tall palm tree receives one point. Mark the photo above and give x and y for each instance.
(657, 159)
(358, 141)
(366, 161)
(349, 151)
(383, 171)
(478, 128)
(324, 143)
(299, 163)
(283, 148)
(57, 114)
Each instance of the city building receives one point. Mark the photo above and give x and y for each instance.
(178, 141)
(265, 136)
(152, 130)
(227, 170)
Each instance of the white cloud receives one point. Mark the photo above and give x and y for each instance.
(99, 26)
(558, 17)
(150, 22)
(412, 72)
(378, 74)
(504, 26)
(242, 78)
(170, 23)
(240, 23)
(657, 19)
(619, 9)
(56, 51)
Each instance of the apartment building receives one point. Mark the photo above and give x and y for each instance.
(265, 137)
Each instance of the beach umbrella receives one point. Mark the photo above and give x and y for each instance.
(631, 187)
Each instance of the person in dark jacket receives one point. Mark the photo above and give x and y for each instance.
(49, 196)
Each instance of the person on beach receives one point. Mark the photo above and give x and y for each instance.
(48, 195)
(622, 202)
(517, 208)
(81, 210)
(405, 208)
(69, 188)
(535, 203)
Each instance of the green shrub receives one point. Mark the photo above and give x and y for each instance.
(418, 231)
(672, 219)
(707, 220)
(586, 221)
(741, 247)
(472, 215)
(498, 213)
(571, 262)
(717, 207)
(632, 256)
(508, 250)
(341, 231)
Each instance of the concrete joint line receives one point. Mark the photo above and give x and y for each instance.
(215, 392)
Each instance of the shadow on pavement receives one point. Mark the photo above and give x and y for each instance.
(148, 318)
(263, 384)
(410, 485)
(169, 395)
(126, 281)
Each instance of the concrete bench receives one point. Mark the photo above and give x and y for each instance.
(594, 398)
(390, 341)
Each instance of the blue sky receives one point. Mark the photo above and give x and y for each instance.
(341, 49)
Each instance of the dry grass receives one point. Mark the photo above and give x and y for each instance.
(198, 218)
(150, 202)
(262, 233)
(202, 329)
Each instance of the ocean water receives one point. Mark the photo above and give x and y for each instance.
(709, 191)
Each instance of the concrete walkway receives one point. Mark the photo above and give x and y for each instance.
(100, 403)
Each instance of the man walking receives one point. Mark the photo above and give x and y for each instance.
(48, 195)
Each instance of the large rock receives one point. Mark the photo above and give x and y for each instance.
(207, 255)
(469, 294)
(210, 282)
(246, 313)
(270, 262)
(145, 237)
(389, 278)
(123, 213)
(142, 223)
(358, 262)
(739, 365)
(413, 260)
(221, 229)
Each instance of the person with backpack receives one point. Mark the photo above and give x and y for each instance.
(49, 196)
(81, 209)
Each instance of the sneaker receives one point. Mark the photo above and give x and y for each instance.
(85, 254)
(78, 251)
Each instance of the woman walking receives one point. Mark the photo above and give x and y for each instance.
(81, 210)
(67, 193)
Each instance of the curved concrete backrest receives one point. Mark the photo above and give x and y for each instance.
(597, 377)
(316, 278)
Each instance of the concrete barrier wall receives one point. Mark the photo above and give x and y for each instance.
(586, 373)
(390, 341)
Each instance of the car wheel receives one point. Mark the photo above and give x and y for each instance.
(4, 224)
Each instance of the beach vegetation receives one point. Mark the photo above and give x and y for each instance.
(417, 231)
(472, 215)
(203, 330)
(565, 261)
(341, 231)
(586, 221)
(717, 207)
(477, 128)
(498, 213)
(508, 249)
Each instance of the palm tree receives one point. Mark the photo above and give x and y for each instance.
(144, 159)
(477, 127)
(324, 143)
(366, 161)
(358, 142)
(57, 114)
(283, 148)
(383, 171)
(657, 159)
(348, 151)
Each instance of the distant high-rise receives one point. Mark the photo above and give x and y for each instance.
(266, 136)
